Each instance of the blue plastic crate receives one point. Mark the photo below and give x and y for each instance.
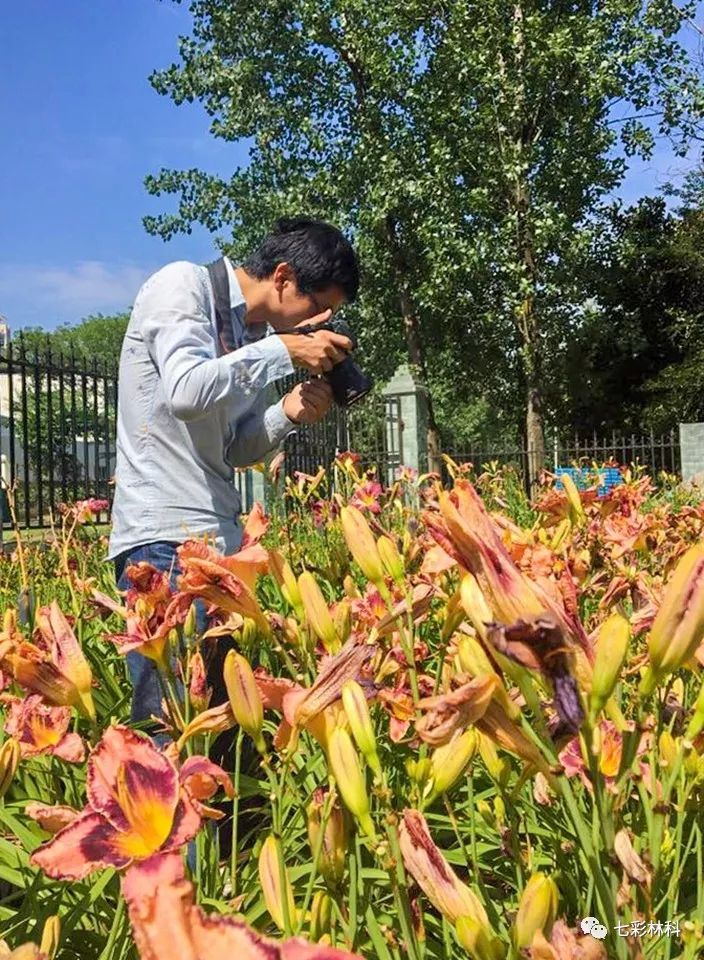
(583, 476)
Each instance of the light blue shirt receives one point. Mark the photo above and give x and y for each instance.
(187, 415)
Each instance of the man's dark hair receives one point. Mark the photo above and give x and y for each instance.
(318, 253)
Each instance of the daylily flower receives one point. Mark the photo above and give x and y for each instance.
(449, 713)
(166, 923)
(433, 874)
(366, 497)
(139, 804)
(316, 708)
(55, 668)
(566, 944)
(539, 645)
(609, 743)
(226, 583)
(41, 729)
(83, 511)
(465, 531)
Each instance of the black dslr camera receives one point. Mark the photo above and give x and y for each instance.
(349, 384)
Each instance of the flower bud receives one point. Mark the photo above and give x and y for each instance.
(536, 910)
(475, 605)
(448, 763)
(50, 937)
(249, 633)
(498, 767)
(245, 701)
(420, 772)
(333, 851)
(668, 748)
(696, 723)
(9, 761)
(189, 626)
(350, 588)
(361, 543)
(486, 813)
(320, 916)
(286, 579)
(576, 510)
(357, 712)
(198, 691)
(678, 627)
(391, 559)
(611, 650)
(342, 618)
(477, 940)
(499, 810)
(272, 874)
(348, 773)
(317, 613)
(475, 661)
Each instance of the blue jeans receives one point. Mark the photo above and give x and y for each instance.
(147, 693)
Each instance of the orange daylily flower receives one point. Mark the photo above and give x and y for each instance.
(226, 583)
(41, 729)
(466, 532)
(166, 922)
(56, 669)
(139, 804)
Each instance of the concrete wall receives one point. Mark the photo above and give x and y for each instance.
(692, 451)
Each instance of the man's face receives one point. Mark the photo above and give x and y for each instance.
(288, 307)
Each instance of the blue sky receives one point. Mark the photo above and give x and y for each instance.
(81, 127)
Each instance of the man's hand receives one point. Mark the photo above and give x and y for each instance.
(316, 352)
(308, 402)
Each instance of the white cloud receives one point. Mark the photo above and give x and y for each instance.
(89, 286)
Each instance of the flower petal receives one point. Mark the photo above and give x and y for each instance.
(70, 748)
(166, 922)
(150, 779)
(187, 821)
(51, 819)
(201, 777)
(86, 844)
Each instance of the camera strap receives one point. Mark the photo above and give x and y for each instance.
(221, 295)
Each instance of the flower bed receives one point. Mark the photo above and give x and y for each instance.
(460, 725)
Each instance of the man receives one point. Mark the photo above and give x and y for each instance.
(193, 398)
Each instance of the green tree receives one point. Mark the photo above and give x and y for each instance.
(97, 338)
(463, 145)
(636, 361)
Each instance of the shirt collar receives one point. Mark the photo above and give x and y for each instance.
(244, 332)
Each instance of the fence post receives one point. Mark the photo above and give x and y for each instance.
(692, 452)
(412, 439)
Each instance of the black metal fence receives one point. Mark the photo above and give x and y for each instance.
(657, 453)
(57, 430)
(373, 429)
(58, 417)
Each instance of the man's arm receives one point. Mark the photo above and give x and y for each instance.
(257, 434)
(173, 319)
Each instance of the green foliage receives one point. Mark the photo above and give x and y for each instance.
(636, 361)
(463, 147)
(97, 339)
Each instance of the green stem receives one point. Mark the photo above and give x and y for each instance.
(398, 879)
(236, 812)
(109, 951)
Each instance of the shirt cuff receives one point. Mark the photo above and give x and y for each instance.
(277, 424)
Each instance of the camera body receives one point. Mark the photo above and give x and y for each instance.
(348, 382)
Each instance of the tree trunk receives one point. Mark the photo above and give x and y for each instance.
(520, 203)
(414, 342)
